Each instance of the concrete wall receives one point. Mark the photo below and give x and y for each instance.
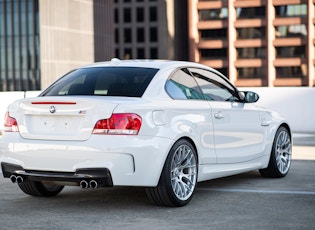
(297, 105)
(73, 33)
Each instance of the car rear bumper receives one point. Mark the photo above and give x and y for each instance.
(101, 176)
(130, 161)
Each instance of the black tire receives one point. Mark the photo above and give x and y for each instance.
(179, 177)
(36, 188)
(280, 157)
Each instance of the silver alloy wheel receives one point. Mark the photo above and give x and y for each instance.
(183, 172)
(283, 150)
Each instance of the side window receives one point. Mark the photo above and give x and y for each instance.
(213, 86)
(182, 85)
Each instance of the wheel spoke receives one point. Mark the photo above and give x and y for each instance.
(283, 152)
(183, 172)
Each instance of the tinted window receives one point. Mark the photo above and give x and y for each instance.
(103, 81)
(183, 86)
(213, 86)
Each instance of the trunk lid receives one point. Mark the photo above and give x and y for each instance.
(60, 118)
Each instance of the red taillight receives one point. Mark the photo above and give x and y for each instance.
(119, 124)
(10, 124)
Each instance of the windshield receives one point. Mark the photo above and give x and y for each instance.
(103, 81)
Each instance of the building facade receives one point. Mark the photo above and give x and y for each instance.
(40, 40)
(255, 42)
(19, 45)
(151, 29)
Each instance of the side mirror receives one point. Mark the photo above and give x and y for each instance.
(249, 97)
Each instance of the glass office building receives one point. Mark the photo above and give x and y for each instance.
(19, 45)
(40, 40)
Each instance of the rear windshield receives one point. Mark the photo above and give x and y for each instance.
(103, 81)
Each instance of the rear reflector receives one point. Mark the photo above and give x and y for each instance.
(119, 124)
(10, 124)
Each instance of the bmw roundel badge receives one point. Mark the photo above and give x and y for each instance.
(52, 109)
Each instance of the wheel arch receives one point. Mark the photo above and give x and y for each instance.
(286, 125)
(190, 140)
(192, 143)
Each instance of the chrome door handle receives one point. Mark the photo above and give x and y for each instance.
(218, 115)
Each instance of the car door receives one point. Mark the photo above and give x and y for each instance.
(192, 112)
(239, 136)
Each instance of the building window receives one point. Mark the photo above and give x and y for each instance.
(140, 14)
(291, 51)
(140, 34)
(291, 71)
(116, 15)
(127, 15)
(224, 71)
(291, 10)
(213, 14)
(116, 35)
(153, 34)
(251, 52)
(291, 31)
(19, 46)
(251, 12)
(251, 33)
(127, 53)
(127, 35)
(251, 73)
(213, 34)
(140, 53)
(153, 53)
(213, 53)
(153, 14)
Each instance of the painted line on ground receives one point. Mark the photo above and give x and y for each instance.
(257, 191)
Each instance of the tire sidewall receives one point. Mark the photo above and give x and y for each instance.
(273, 155)
(166, 175)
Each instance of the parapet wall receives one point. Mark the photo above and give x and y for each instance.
(296, 104)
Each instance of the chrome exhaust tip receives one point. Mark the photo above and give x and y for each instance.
(19, 179)
(13, 178)
(93, 184)
(84, 184)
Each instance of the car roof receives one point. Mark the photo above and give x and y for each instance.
(146, 63)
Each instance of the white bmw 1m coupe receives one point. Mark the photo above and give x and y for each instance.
(162, 125)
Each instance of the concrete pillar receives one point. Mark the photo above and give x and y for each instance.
(271, 52)
(232, 56)
(310, 42)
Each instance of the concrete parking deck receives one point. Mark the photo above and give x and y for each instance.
(303, 147)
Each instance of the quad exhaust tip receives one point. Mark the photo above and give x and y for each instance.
(16, 179)
(84, 184)
(91, 184)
